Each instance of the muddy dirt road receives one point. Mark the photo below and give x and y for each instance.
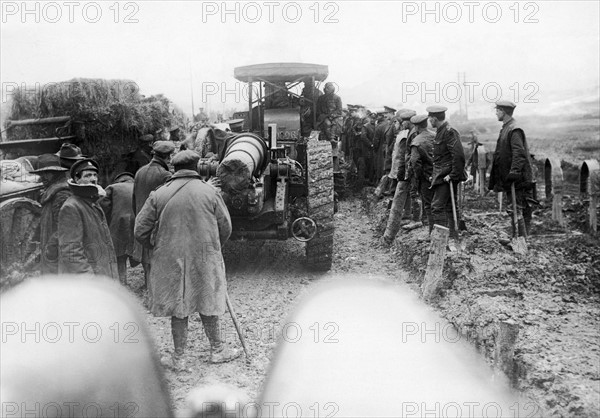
(265, 281)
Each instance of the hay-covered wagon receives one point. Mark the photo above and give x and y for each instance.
(105, 118)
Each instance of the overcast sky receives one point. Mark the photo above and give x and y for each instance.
(540, 54)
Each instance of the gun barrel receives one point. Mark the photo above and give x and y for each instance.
(244, 157)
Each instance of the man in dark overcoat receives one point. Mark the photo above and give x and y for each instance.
(148, 178)
(118, 208)
(448, 169)
(84, 241)
(186, 223)
(56, 192)
(512, 165)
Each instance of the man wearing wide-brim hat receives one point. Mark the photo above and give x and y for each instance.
(188, 273)
(118, 208)
(512, 166)
(148, 178)
(448, 169)
(85, 244)
(69, 154)
(53, 197)
(141, 156)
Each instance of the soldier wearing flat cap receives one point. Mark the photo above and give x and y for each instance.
(55, 194)
(148, 178)
(84, 241)
(188, 273)
(448, 169)
(512, 165)
(118, 208)
(69, 154)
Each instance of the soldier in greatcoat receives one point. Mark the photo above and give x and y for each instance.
(448, 169)
(186, 223)
(84, 241)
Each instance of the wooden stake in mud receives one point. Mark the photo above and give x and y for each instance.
(235, 323)
(435, 263)
(506, 340)
(519, 245)
(482, 168)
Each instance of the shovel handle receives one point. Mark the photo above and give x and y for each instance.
(514, 205)
(453, 204)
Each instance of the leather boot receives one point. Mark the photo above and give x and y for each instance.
(219, 352)
(522, 228)
(416, 210)
(179, 331)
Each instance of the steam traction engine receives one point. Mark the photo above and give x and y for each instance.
(281, 186)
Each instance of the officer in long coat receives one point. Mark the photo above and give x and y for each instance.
(448, 169)
(56, 192)
(148, 178)
(118, 208)
(186, 223)
(512, 165)
(84, 241)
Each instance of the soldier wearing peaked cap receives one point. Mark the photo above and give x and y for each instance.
(84, 241)
(148, 178)
(421, 163)
(512, 165)
(187, 273)
(448, 169)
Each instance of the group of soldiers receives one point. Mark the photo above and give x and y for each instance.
(420, 160)
(163, 216)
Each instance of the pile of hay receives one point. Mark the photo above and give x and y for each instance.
(108, 116)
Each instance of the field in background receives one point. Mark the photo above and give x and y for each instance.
(570, 139)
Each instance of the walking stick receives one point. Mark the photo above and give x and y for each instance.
(235, 323)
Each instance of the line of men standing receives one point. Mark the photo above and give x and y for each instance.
(432, 164)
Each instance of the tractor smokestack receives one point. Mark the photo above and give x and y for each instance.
(244, 157)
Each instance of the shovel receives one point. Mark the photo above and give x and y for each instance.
(519, 245)
(456, 226)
